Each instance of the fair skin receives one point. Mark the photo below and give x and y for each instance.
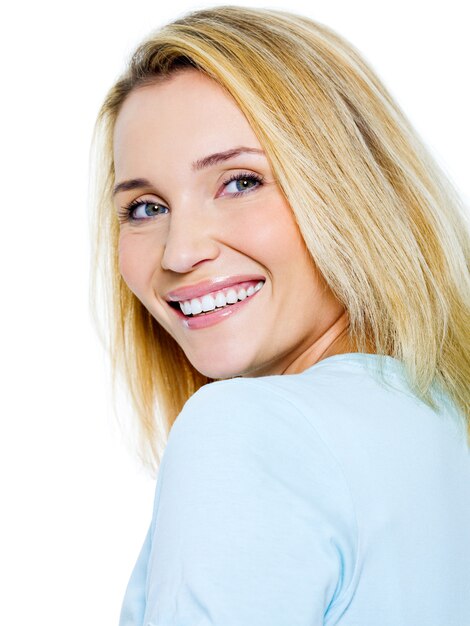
(190, 227)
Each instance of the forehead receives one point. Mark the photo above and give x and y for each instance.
(189, 111)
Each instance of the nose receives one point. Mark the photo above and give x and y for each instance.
(190, 241)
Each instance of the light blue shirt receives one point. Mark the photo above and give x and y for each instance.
(325, 497)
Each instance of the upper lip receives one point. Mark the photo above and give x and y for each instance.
(207, 286)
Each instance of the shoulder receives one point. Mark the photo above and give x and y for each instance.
(246, 480)
(280, 412)
(332, 424)
(285, 419)
(249, 412)
(251, 431)
(253, 402)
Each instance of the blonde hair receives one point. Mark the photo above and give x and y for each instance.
(383, 224)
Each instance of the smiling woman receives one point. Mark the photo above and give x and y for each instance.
(287, 271)
(215, 226)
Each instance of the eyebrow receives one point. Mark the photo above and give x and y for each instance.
(219, 157)
(134, 183)
(208, 161)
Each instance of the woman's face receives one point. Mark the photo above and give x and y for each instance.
(215, 225)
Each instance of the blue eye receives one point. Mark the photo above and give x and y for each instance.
(244, 183)
(141, 210)
(147, 210)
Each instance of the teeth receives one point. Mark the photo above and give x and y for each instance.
(220, 299)
(232, 296)
(196, 306)
(185, 307)
(209, 302)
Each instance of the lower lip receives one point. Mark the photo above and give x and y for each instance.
(214, 317)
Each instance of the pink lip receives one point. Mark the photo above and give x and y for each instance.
(213, 317)
(207, 286)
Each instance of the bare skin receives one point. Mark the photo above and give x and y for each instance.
(191, 227)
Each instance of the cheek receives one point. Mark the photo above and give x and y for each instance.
(271, 236)
(137, 262)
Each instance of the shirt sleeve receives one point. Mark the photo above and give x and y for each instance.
(254, 524)
(133, 606)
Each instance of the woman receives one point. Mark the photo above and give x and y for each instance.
(288, 272)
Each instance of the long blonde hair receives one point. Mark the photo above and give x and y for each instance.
(383, 224)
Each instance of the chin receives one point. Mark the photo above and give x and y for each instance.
(218, 371)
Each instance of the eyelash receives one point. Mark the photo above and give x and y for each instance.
(126, 213)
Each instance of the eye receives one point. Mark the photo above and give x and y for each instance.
(242, 183)
(139, 210)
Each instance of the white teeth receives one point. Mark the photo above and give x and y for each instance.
(220, 299)
(209, 302)
(231, 296)
(196, 306)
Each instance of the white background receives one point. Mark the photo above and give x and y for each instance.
(75, 505)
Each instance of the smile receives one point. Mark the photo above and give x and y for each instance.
(214, 307)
